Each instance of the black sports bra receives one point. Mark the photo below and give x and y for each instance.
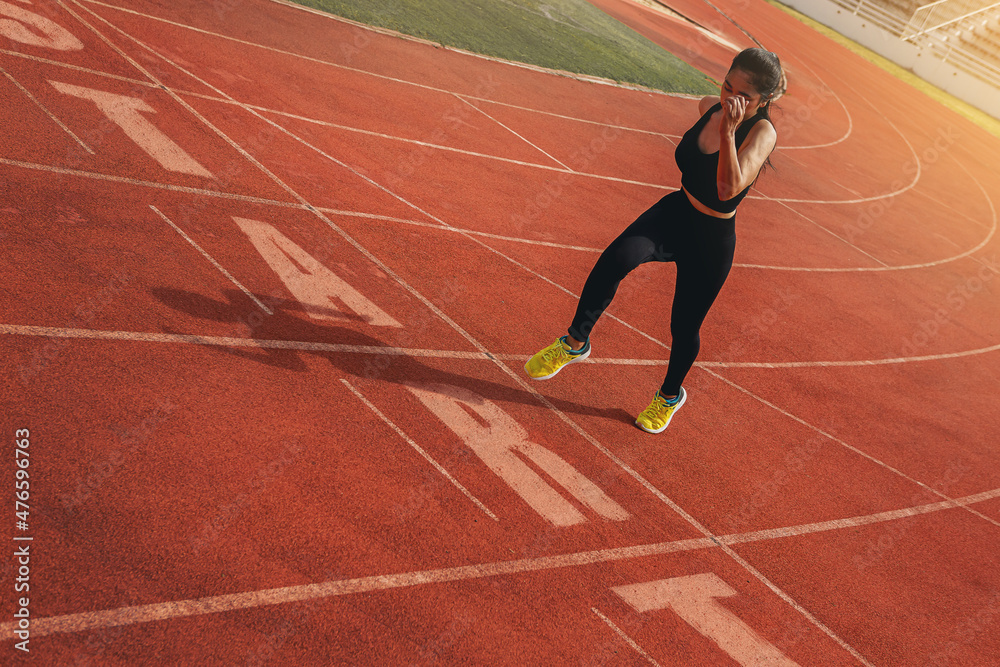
(699, 171)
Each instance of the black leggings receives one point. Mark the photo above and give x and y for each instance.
(671, 231)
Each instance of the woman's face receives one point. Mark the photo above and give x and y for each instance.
(738, 83)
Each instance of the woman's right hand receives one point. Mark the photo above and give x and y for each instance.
(733, 110)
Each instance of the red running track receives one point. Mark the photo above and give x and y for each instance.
(271, 280)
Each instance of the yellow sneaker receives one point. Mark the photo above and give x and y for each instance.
(550, 360)
(655, 418)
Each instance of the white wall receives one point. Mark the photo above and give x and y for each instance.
(920, 61)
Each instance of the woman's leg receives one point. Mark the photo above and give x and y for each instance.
(702, 267)
(700, 278)
(642, 241)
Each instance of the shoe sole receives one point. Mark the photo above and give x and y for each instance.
(684, 397)
(579, 357)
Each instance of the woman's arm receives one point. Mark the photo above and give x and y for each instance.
(738, 169)
(706, 103)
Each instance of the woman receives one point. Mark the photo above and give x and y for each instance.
(695, 227)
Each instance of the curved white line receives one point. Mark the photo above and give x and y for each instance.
(834, 364)
(613, 361)
(565, 246)
(863, 200)
(923, 265)
(783, 364)
(850, 119)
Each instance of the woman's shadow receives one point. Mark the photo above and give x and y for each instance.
(290, 323)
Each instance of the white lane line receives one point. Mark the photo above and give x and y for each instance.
(562, 169)
(906, 267)
(946, 239)
(844, 187)
(854, 522)
(148, 613)
(420, 450)
(150, 184)
(844, 444)
(778, 364)
(844, 364)
(27, 93)
(863, 200)
(77, 68)
(229, 195)
(389, 137)
(672, 138)
(225, 341)
(488, 235)
(415, 142)
(806, 269)
(339, 348)
(516, 134)
(858, 200)
(621, 633)
(212, 260)
(834, 235)
(523, 383)
(951, 208)
(210, 605)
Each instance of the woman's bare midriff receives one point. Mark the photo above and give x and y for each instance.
(704, 209)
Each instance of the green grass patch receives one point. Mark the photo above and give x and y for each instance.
(980, 118)
(569, 35)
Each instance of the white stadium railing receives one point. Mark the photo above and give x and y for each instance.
(944, 13)
(937, 27)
